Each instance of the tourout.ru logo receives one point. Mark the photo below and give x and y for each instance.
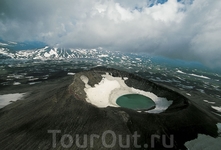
(88, 140)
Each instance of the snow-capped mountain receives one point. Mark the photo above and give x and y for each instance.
(39, 51)
(48, 53)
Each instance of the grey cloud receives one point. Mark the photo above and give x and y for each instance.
(178, 30)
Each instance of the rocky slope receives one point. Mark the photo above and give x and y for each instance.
(55, 115)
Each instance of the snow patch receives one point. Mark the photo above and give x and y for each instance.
(188, 94)
(32, 83)
(125, 78)
(7, 98)
(179, 71)
(209, 102)
(3, 44)
(110, 88)
(33, 79)
(200, 76)
(71, 73)
(103, 55)
(139, 59)
(16, 83)
(216, 108)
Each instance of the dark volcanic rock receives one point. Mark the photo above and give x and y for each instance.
(59, 107)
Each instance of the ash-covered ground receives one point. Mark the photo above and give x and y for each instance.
(54, 114)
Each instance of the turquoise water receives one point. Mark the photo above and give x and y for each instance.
(135, 101)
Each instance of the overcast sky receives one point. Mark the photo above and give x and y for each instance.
(187, 30)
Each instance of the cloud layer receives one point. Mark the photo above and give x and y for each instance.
(185, 30)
